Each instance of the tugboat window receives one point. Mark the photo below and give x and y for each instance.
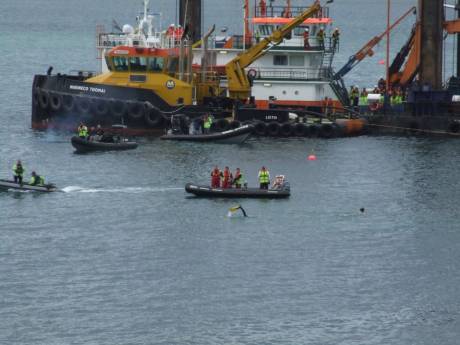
(298, 31)
(172, 65)
(266, 30)
(156, 64)
(280, 60)
(138, 64)
(108, 62)
(120, 64)
(296, 60)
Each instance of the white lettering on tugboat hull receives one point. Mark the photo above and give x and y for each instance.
(87, 88)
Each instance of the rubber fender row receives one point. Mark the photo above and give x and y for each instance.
(99, 107)
(276, 129)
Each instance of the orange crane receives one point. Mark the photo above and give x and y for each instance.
(410, 54)
(366, 50)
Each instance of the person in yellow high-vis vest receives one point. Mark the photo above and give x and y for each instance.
(264, 178)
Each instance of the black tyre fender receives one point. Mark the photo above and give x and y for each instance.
(273, 129)
(136, 110)
(83, 104)
(327, 130)
(300, 130)
(100, 106)
(153, 117)
(260, 128)
(286, 130)
(117, 107)
(36, 96)
(55, 101)
(68, 103)
(453, 127)
(44, 99)
(313, 131)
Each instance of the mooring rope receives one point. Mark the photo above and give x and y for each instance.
(414, 129)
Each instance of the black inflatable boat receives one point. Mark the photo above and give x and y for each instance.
(11, 185)
(232, 136)
(206, 191)
(83, 145)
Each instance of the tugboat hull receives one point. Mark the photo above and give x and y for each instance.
(62, 102)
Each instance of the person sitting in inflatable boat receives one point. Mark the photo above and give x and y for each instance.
(279, 182)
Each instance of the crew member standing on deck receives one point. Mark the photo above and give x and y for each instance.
(335, 39)
(264, 178)
(263, 8)
(215, 177)
(306, 39)
(18, 172)
(320, 38)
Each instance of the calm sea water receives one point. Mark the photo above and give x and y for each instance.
(123, 256)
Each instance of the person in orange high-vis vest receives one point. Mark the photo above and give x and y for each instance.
(227, 178)
(215, 177)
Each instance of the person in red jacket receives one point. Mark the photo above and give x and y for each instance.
(263, 8)
(215, 177)
(227, 178)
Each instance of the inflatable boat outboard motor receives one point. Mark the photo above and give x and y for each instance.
(178, 124)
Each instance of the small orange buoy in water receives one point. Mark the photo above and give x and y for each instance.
(381, 62)
(312, 157)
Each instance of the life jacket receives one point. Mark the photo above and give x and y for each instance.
(37, 180)
(18, 170)
(335, 36)
(264, 176)
(82, 131)
(320, 36)
(227, 174)
(363, 100)
(238, 179)
(207, 124)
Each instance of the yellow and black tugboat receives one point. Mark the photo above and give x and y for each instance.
(142, 88)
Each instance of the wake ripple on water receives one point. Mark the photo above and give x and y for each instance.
(78, 189)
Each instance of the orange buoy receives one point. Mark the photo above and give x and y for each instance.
(312, 157)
